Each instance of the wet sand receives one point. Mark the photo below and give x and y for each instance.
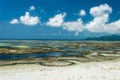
(103, 70)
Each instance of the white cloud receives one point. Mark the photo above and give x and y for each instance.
(113, 27)
(100, 21)
(73, 26)
(99, 24)
(29, 20)
(82, 12)
(57, 20)
(32, 8)
(14, 21)
(100, 10)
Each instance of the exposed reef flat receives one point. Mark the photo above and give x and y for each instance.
(19, 50)
(56, 61)
(28, 47)
(49, 53)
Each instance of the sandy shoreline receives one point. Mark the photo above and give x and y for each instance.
(105, 70)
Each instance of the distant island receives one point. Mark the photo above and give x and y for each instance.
(105, 38)
(101, 38)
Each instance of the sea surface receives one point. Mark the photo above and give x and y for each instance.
(65, 48)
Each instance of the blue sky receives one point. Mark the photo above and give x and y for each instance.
(58, 19)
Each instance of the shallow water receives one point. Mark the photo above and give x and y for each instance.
(72, 48)
(37, 55)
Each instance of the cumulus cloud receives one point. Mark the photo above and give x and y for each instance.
(73, 26)
(32, 8)
(82, 12)
(14, 21)
(57, 20)
(100, 10)
(29, 20)
(114, 27)
(26, 20)
(99, 24)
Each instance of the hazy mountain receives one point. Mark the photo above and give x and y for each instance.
(105, 38)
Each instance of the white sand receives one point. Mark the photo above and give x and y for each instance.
(109, 70)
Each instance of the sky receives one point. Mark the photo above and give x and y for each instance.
(58, 19)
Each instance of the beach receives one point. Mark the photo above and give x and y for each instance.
(103, 70)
